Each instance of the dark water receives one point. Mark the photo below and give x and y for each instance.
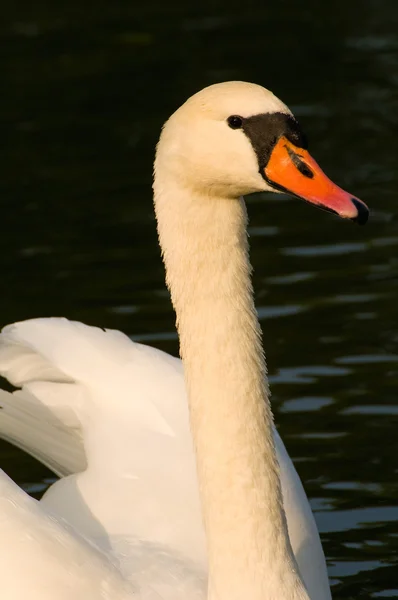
(84, 93)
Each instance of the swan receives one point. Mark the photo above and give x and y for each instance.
(123, 424)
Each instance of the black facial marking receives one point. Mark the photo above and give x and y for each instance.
(300, 164)
(265, 130)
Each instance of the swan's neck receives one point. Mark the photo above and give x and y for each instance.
(204, 245)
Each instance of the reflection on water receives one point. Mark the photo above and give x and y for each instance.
(83, 98)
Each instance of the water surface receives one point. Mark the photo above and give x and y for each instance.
(84, 93)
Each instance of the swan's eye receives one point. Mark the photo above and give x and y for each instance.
(235, 122)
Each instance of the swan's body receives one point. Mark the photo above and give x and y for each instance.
(137, 445)
(114, 415)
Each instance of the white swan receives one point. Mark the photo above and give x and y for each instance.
(112, 415)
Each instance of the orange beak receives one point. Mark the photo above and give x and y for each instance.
(293, 170)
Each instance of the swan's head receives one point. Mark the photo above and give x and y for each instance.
(236, 138)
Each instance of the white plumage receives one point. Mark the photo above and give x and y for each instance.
(111, 416)
(94, 397)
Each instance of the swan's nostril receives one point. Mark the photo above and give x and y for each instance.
(300, 164)
(363, 212)
(305, 170)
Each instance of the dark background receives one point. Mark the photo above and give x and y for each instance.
(84, 91)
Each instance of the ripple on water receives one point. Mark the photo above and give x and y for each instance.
(267, 312)
(370, 409)
(265, 231)
(353, 298)
(325, 250)
(367, 359)
(352, 485)
(305, 404)
(307, 374)
(291, 278)
(345, 520)
(345, 568)
(321, 435)
(125, 309)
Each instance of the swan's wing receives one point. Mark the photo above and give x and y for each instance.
(42, 559)
(67, 373)
(38, 419)
(114, 413)
(43, 418)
